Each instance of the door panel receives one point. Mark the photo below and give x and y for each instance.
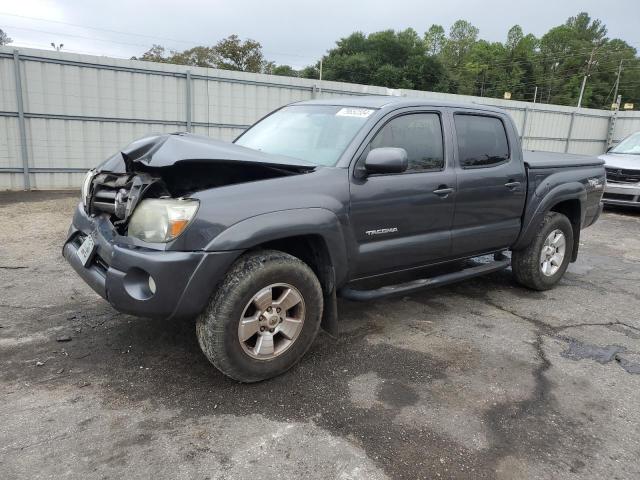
(491, 189)
(419, 221)
(398, 221)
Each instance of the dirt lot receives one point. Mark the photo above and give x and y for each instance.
(480, 380)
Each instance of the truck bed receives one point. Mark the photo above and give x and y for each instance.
(535, 159)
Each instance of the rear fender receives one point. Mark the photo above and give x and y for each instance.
(539, 206)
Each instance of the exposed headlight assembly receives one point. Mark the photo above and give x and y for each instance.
(85, 191)
(160, 220)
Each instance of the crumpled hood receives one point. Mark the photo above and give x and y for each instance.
(159, 151)
(621, 160)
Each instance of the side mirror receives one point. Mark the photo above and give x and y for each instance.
(386, 160)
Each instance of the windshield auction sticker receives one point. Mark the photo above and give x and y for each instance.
(354, 112)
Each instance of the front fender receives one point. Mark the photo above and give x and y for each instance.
(287, 223)
(542, 202)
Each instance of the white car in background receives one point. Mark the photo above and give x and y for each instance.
(622, 164)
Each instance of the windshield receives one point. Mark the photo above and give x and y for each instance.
(315, 133)
(630, 145)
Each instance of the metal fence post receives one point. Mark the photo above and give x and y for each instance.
(524, 126)
(314, 91)
(188, 100)
(566, 145)
(21, 124)
(612, 122)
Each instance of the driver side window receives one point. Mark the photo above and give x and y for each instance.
(420, 134)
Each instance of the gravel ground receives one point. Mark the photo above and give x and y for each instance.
(479, 380)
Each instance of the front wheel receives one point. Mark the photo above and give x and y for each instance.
(263, 317)
(542, 263)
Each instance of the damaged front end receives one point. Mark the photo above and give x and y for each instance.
(118, 194)
(175, 166)
(126, 238)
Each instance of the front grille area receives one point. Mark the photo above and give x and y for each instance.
(622, 175)
(117, 194)
(104, 200)
(99, 262)
(109, 191)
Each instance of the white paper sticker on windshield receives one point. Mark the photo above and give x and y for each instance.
(354, 112)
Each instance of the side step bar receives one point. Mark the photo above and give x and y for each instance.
(500, 262)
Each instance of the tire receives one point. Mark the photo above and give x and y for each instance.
(244, 294)
(527, 264)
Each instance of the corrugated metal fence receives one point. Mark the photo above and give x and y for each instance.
(62, 113)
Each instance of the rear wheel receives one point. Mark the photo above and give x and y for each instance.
(263, 318)
(541, 265)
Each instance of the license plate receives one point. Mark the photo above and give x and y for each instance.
(85, 252)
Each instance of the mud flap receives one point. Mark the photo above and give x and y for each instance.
(330, 313)
(576, 242)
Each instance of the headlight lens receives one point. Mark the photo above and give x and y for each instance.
(160, 219)
(86, 187)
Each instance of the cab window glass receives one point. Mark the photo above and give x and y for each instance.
(482, 141)
(420, 134)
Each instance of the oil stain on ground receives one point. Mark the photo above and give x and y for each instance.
(580, 351)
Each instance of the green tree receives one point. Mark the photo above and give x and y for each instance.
(155, 54)
(434, 39)
(518, 67)
(284, 70)
(4, 38)
(600, 84)
(462, 37)
(196, 56)
(459, 62)
(483, 71)
(356, 68)
(230, 53)
(394, 59)
(455, 55)
(426, 73)
(390, 76)
(569, 52)
(311, 71)
(235, 54)
(354, 43)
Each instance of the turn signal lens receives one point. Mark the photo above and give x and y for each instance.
(176, 227)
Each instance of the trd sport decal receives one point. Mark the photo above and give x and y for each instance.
(380, 231)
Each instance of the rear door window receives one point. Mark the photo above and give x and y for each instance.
(482, 140)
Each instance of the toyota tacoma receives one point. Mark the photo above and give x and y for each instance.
(361, 198)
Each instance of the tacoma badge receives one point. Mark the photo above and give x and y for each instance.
(381, 231)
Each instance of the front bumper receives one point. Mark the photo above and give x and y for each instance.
(119, 272)
(626, 194)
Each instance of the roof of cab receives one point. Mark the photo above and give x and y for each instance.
(382, 101)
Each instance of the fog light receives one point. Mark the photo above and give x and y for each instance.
(152, 285)
(139, 284)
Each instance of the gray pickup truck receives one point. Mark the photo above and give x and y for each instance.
(320, 199)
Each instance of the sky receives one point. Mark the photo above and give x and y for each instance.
(293, 32)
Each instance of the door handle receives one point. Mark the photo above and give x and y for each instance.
(443, 191)
(512, 185)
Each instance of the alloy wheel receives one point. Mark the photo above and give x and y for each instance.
(552, 254)
(271, 321)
